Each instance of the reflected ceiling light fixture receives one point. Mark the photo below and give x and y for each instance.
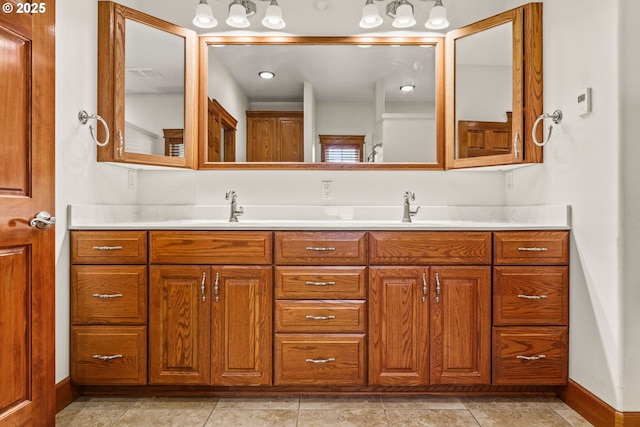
(267, 75)
(402, 13)
(437, 17)
(407, 88)
(204, 16)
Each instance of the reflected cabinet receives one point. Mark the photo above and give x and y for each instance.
(172, 98)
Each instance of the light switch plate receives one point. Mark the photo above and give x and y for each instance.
(584, 101)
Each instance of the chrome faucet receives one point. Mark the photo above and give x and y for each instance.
(407, 212)
(235, 209)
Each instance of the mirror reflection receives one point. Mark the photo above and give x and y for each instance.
(483, 92)
(326, 102)
(154, 110)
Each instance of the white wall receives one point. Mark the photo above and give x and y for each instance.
(589, 164)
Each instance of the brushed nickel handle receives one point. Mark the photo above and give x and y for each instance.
(532, 296)
(320, 283)
(533, 249)
(424, 287)
(320, 249)
(100, 357)
(319, 317)
(202, 288)
(42, 220)
(121, 145)
(107, 295)
(540, 356)
(331, 359)
(516, 143)
(107, 248)
(438, 287)
(216, 287)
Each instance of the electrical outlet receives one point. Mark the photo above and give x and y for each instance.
(132, 179)
(326, 189)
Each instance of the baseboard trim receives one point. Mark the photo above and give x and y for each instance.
(66, 393)
(594, 410)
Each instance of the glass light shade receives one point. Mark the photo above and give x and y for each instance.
(204, 16)
(370, 16)
(404, 17)
(437, 18)
(238, 17)
(273, 17)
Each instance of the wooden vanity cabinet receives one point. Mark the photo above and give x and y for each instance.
(320, 308)
(109, 307)
(430, 308)
(210, 308)
(530, 307)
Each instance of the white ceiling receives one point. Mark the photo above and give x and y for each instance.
(350, 74)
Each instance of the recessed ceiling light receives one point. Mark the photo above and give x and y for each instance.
(266, 74)
(407, 88)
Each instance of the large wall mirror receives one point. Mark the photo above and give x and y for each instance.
(333, 103)
(146, 88)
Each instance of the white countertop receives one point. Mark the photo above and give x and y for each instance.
(216, 217)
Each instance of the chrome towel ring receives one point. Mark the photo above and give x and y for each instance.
(556, 117)
(83, 116)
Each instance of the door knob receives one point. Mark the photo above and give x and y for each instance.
(42, 220)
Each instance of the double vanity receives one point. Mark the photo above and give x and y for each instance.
(319, 299)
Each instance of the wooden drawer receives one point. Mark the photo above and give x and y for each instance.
(429, 247)
(210, 247)
(530, 355)
(320, 316)
(321, 248)
(530, 295)
(108, 247)
(321, 282)
(320, 359)
(124, 349)
(109, 294)
(531, 247)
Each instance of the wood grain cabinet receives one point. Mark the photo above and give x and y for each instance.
(109, 307)
(210, 324)
(275, 136)
(320, 308)
(530, 308)
(430, 322)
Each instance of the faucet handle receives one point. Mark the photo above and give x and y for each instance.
(409, 195)
(231, 193)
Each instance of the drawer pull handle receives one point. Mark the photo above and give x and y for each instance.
(107, 248)
(115, 356)
(541, 356)
(311, 248)
(107, 295)
(331, 359)
(532, 296)
(320, 283)
(534, 249)
(319, 317)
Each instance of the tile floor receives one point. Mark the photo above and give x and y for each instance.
(306, 411)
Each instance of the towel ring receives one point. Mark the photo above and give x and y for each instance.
(83, 116)
(556, 117)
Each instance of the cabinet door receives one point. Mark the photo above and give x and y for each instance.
(241, 325)
(399, 326)
(261, 139)
(179, 316)
(290, 133)
(460, 325)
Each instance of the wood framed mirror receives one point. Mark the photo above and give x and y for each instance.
(404, 135)
(147, 71)
(494, 89)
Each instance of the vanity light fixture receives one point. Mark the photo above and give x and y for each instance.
(273, 16)
(402, 12)
(239, 13)
(437, 17)
(267, 75)
(204, 16)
